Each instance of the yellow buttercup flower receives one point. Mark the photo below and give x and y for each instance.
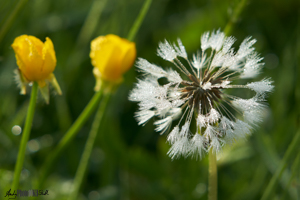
(36, 61)
(111, 57)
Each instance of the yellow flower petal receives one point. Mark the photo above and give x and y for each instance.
(35, 59)
(127, 61)
(49, 59)
(112, 56)
(104, 58)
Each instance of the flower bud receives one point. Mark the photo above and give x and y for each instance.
(36, 61)
(111, 57)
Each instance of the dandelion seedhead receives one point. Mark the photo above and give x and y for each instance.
(197, 91)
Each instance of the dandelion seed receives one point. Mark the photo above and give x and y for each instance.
(173, 135)
(201, 95)
(197, 146)
(261, 87)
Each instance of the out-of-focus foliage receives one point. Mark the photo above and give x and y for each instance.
(130, 161)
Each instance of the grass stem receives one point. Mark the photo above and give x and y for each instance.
(7, 24)
(274, 180)
(67, 138)
(89, 147)
(235, 16)
(139, 20)
(25, 137)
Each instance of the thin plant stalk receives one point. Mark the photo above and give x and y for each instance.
(71, 133)
(235, 16)
(99, 115)
(75, 59)
(139, 20)
(7, 24)
(294, 170)
(25, 136)
(81, 170)
(90, 23)
(274, 180)
(212, 176)
(86, 32)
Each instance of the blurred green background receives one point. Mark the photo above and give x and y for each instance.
(130, 161)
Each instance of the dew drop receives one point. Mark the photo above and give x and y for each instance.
(33, 145)
(46, 140)
(67, 186)
(94, 195)
(16, 130)
(25, 174)
(199, 190)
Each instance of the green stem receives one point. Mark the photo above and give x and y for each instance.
(212, 176)
(293, 177)
(89, 147)
(85, 35)
(71, 133)
(90, 23)
(273, 182)
(25, 137)
(11, 18)
(235, 16)
(139, 20)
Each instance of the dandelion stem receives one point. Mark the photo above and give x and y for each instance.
(11, 18)
(25, 136)
(89, 147)
(212, 176)
(139, 20)
(274, 180)
(86, 113)
(212, 170)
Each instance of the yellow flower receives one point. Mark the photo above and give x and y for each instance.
(111, 57)
(36, 61)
